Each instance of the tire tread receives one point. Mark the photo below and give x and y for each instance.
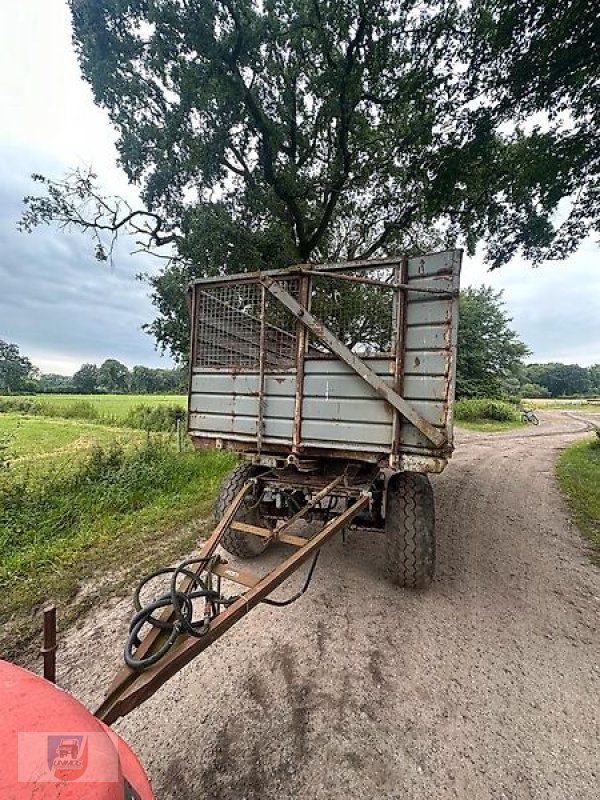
(410, 530)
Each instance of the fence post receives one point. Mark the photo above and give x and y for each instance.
(49, 648)
(179, 437)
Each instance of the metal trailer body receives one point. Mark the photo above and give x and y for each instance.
(336, 382)
(263, 385)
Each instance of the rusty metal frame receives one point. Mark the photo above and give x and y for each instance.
(262, 357)
(304, 296)
(401, 284)
(354, 362)
(131, 687)
(399, 356)
(316, 269)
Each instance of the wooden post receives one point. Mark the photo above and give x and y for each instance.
(49, 648)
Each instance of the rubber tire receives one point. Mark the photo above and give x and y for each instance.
(410, 530)
(242, 545)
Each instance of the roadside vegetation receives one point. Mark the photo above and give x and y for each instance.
(564, 404)
(482, 414)
(158, 413)
(81, 499)
(578, 472)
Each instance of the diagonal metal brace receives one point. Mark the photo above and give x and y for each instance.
(357, 364)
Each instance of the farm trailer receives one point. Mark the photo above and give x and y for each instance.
(335, 383)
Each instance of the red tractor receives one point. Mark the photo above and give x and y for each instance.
(53, 747)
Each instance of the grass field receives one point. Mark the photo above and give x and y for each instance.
(26, 440)
(578, 472)
(557, 404)
(117, 405)
(81, 499)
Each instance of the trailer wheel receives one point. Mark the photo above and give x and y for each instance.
(410, 530)
(243, 545)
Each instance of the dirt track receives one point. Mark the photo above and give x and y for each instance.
(487, 686)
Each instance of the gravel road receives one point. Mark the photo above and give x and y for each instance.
(487, 686)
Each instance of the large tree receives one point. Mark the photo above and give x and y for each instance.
(15, 370)
(538, 64)
(264, 133)
(490, 354)
(113, 376)
(85, 380)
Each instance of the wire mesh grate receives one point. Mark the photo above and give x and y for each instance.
(228, 328)
(359, 314)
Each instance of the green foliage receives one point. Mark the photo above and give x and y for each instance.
(51, 382)
(578, 472)
(15, 370)
(52, 524)
(594, 376)
(77, 409)
(558, 379)
(154, 418)
(85, 380)
(534, 390)
(540, 57)
(113, 376)
(145, 380)
(267, 133)
(489, 352)
(476, 409)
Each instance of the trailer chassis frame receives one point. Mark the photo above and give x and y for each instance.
(130, 687)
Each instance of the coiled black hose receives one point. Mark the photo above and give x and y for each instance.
(181, 603)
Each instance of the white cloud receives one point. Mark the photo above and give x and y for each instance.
(555, 307)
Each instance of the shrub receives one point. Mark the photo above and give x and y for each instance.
(154, 418)
(475, 409)
(21, 405)
(535, 391)
(79, 409)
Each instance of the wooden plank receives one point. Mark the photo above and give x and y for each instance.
(242, 576)
(243, 527)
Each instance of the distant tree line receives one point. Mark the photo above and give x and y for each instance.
(490, 364)
(560, 380)
(18, 375)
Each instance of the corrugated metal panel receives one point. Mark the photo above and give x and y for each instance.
(338, 405)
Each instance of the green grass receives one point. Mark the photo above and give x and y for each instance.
(155, 413)
(578, 472)
(117, 405)
(33, 439)
(490, 425)
(556, 404)
(80, 500)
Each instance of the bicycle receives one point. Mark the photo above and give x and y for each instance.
(529, 417)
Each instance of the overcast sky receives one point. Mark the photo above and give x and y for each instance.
(63, 308)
